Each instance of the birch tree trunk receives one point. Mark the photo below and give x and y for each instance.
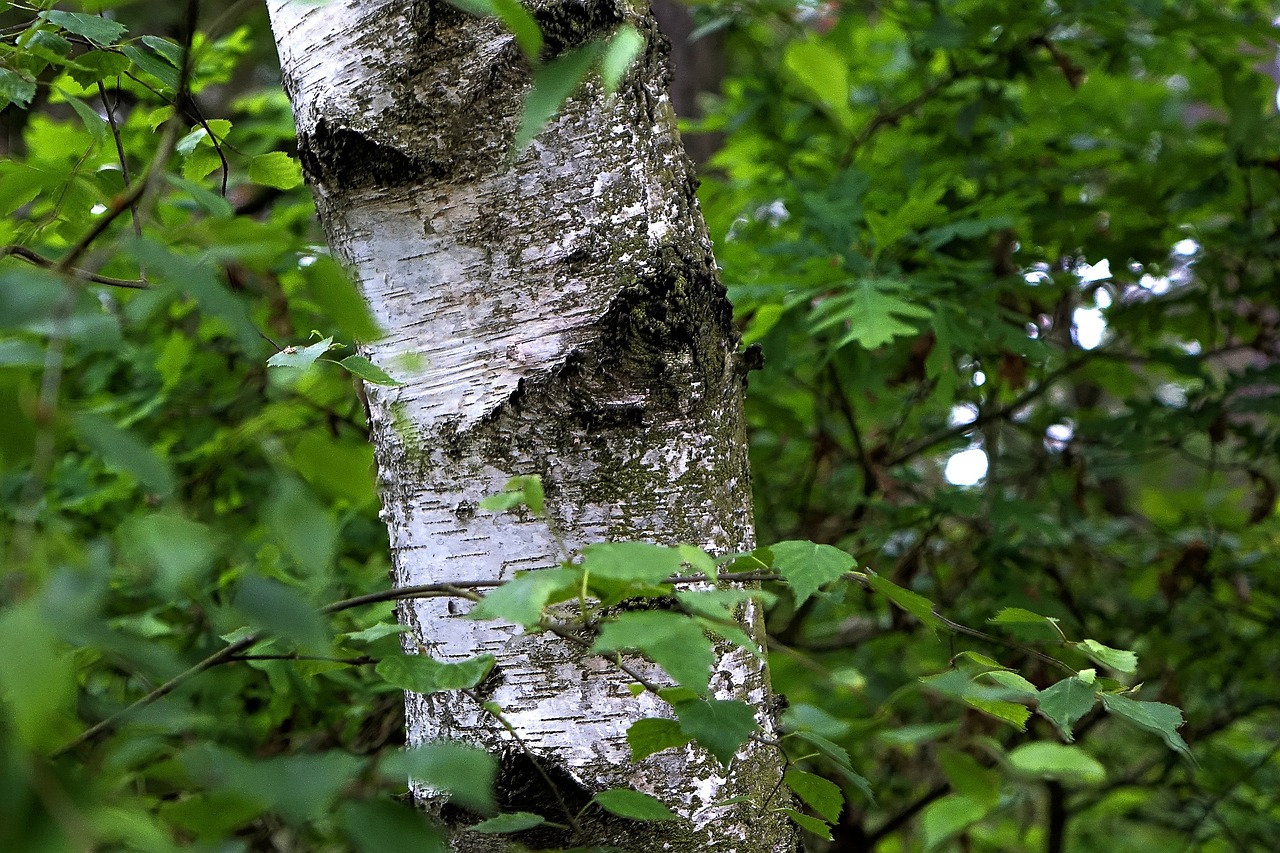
(556, 312)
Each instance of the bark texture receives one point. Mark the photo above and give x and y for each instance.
(556, 312)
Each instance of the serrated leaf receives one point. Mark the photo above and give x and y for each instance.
(720, 726)
(1118, 659)
(633, 804)
(426, 675)
(1157, 717)
(1046, 760)
(914, 603)
(93, 27)
(839, 757)
(188, 143)
(94, 123)
(362, 367)
(170, 51)
(806, 566)
(15, 89)
(654, 734)
(506, 823)
(521, 600)
(671, 640)
(1012, 681)
(1009, 712)
(822, 795)
(1025, 622)
(809, 823)
(276, 169)
(1065, 702)
(300, 357)
(157, 68)
(631, 561)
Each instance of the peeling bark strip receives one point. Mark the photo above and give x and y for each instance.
(556, 313)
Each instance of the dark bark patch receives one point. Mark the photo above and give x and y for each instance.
(348, 159)
(570, 24)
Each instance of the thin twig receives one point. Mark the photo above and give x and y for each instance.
(39, 260)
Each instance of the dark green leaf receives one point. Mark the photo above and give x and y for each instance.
(122, 450)
(506, 823)
(93, 27)
(1117, 659)
(383, 826)
(654, 734)
(1045, 760)
(720, 726)
(807, 566)
(422, 674)
(521, 600)
(821, 795)
(633, 804)
(464, 773)
(915, 604)
(672, 640)
(280, 611)
(1157, 717)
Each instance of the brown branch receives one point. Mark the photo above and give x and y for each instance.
(45, 263)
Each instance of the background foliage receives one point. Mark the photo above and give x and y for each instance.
(1039, 236)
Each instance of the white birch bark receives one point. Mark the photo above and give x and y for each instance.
(556, 312)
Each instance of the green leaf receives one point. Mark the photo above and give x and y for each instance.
(915, 604)
(1157, 717)
(698, 560)
(672, 640)
(1013, 682)
(383, 826)
(94, 123)
(375, 632)
(300, 357)
(654, 734)
(553, 83)
(870, 315)
(822, 795)
(631, 561)
(807, 566)
(809, 823)
(97, 65)
(37, 678)
(93, 27)
(824, 73)
(426, 675)
(464, 773)
(122, 450)
(303, 526)
(517, 18)
(278, 610)
(1117, 659)
(521, 600)
(944, 818)
(634, 805)
(332, 289)
(720, 726)
(1065, 702)
(301, 787)
(171, 51)
(1009, 712)
(839, 758)
(182, 551)
(362, 367)
(620, 51)
(1045, 760)
(1024, 621)
(276, 169)
(525, 490)
(157, 68)
(15, 89)
(506, 823)
(969, 778)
